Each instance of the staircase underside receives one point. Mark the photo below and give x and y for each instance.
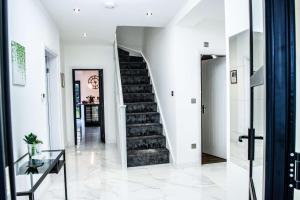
(146, 144)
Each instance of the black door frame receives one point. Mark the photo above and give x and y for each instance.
(280, 98)
(101, 93)
(78, 82)
(6, 144)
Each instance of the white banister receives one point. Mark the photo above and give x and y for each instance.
(120, 110)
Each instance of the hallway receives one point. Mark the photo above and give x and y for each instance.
(94, 172)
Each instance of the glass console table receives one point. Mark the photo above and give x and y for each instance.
(30, 173)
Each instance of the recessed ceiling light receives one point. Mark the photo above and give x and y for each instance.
(76, 10)
(149, 13)
(84, 35)
(110, 5)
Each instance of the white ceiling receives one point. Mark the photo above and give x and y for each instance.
(100, 23)
(204, 13)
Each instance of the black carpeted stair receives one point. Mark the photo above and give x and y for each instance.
(146, 145)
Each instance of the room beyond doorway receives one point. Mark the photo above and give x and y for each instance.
(213, 109)
(88, 106)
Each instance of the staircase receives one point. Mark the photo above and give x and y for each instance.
(146, 145)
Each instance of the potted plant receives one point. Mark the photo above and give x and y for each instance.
(32, 144)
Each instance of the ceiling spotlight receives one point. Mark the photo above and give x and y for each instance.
(84, 35)
(76, 10)
(110, 5)
(149, 13)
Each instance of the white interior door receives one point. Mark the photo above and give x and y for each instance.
(53, 103)
(213, 121)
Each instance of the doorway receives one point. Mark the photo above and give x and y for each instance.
(213, 109)
(88, 106)
(52, 101)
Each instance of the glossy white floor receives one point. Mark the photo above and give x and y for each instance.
(94, 172)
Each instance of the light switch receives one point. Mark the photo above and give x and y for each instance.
(193, 101)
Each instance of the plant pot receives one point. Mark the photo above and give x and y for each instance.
(32, 150)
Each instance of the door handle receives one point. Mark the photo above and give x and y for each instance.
(242, 137)
(251, 142)
(203, 109)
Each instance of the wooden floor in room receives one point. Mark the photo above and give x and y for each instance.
(208, 159)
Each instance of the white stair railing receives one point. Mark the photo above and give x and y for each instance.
(120, 110)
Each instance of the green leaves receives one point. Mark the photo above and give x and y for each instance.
(32, 139)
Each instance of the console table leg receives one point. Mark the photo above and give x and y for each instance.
(31, 197)
(65, 177)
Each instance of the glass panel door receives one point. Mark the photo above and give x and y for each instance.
(297, 8)
(256, 133)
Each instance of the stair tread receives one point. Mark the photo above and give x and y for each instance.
(132, 62)
(140, 102)
(142, 113)
(143, 84)
(145, 124)
(145, 151)
(140, 93)
(146, 136)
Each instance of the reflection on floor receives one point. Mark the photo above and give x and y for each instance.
(209, 159)
(87, 135)
(94, 173)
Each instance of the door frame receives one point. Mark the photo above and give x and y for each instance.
(101, 93)
(201, 103)
(77, 82)
(52, 80)
(6, 144)
(280, 98)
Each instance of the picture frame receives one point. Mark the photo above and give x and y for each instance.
(233, 77)
(18, 57)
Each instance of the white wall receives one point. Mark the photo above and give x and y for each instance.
(174, 55)
(85, 90)
(78, 56)
(189, 47)
(158, 48)
(30, 26)
(237, 16)
(131, 37)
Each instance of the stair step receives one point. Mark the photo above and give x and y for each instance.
(134, 80)
(136, 130)
(141, 88)
(122, 52)
(146, 142)
(134, 72)
(124, 58)
(132, 65)
(138, 97)
(147, 157)
(136, 59)
(141, 107)
(139, 118)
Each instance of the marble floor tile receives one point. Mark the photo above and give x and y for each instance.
(94, 173)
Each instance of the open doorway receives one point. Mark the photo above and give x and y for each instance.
(213, 109)
(88, 106)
